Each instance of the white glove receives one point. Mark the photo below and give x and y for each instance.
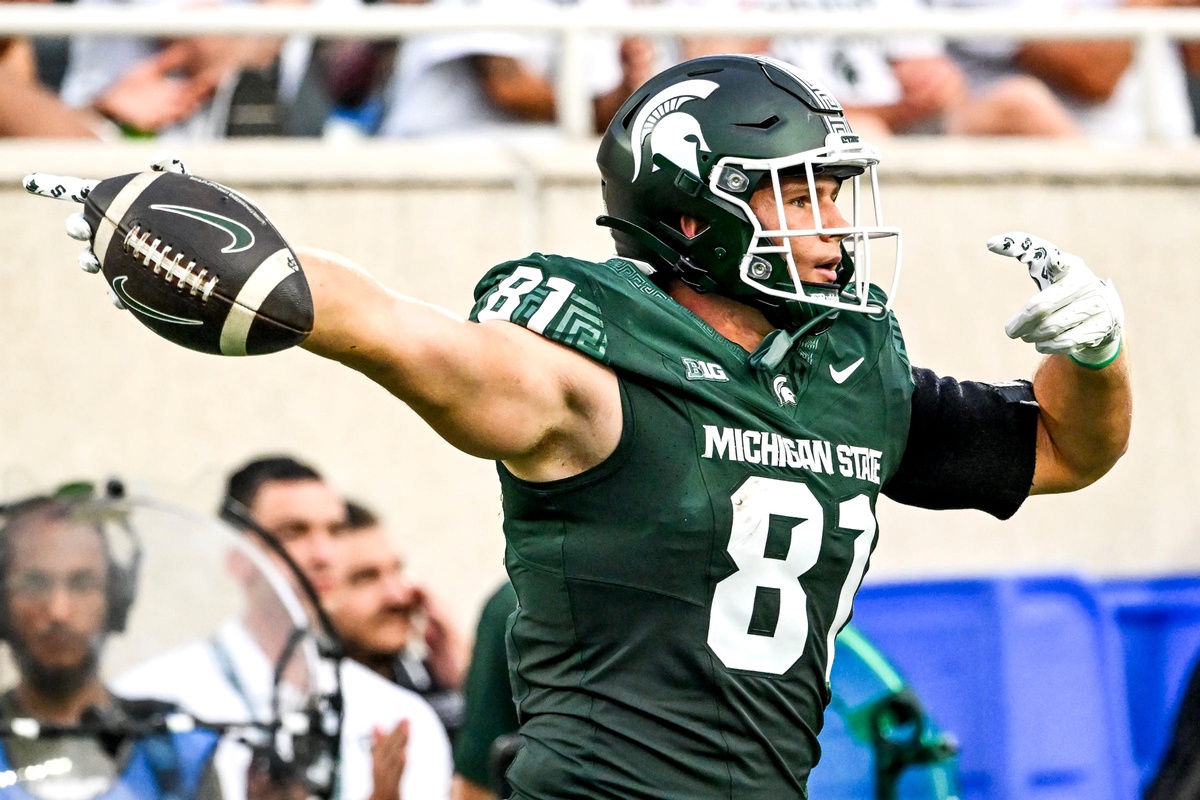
(61, 187)
(1074, 313)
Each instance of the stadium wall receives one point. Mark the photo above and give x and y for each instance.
(90, 393)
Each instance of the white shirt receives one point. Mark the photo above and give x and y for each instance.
(857, 70)
(196, 677)
(435, 89)
(1121, 118)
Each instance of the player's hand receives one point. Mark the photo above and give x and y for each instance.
(76, 190)
(1074, 313)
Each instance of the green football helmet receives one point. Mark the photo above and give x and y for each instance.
(698, 140)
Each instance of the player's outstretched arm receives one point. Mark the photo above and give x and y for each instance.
(493, 389)
(1083, 385)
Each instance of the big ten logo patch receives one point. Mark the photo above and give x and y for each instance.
(698, 370)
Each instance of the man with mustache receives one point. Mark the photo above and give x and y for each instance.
(62, 592)
(391, 623)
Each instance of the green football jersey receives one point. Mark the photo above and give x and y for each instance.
(678, 602)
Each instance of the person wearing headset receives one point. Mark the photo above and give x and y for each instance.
(63, 734)
(392, 745)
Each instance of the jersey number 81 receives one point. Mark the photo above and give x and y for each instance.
(734, 600)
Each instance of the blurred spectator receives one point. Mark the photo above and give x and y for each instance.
(64, 591)
(50, 53)
(199, 87)
(1096, 81)
(902, 84)
(491, 714)
(356, 74)
(392, 745)
(27, 107)
(390, 623)
(488, 81)
(1190, 52)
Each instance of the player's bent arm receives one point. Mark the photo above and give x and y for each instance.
(494, 390)
(1083, 424)
(1085, 404)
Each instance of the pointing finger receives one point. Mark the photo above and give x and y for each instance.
(1005, 244)
(58, 187)
(1045, 262)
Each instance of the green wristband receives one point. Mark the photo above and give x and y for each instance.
(1105, 362)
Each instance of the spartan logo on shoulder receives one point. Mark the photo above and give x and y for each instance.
(673, 133)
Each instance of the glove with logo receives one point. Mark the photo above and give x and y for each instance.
(1074, 314)
(76, 190)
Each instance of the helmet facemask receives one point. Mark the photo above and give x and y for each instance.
(697, 141)
(769, 265)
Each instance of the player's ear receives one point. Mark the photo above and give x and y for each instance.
(691, 226)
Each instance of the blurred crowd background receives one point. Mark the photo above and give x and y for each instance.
(495, 83)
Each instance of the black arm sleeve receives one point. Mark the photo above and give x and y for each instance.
(970, 445)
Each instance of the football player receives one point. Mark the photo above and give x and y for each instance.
(691, 437)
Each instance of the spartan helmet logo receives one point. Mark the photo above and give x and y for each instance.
(673, 133)
(783, 392)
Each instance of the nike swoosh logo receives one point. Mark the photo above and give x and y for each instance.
(242, 237)
(840, 375)
(118, 285)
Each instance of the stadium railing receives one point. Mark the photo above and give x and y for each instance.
(1152, 30)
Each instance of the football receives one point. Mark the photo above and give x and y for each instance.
(198, 264)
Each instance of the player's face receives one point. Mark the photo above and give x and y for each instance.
(373, 600)
(817, 257)
(305, 516)
(56, 589)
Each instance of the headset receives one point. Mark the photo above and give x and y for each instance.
(121, 587)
